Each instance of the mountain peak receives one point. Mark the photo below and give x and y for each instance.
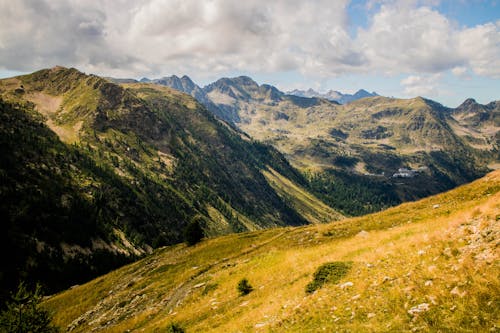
(362, 93)
(245, 80)
(58, 68)
(468, 102)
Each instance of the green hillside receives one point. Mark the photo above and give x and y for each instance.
(426, 266)
(95, 174)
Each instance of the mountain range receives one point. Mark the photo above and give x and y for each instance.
(99, 172)
(333, 95)
(356, 148)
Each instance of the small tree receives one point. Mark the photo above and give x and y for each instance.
(23, 313)
(244, 288)
(193, 232)
(174, 328)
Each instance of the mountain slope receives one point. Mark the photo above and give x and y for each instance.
(427, 266)
(363, 143)
(95, 174)
(478, 124)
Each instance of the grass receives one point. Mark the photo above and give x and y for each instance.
(440, 261)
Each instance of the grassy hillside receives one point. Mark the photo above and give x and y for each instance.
(95, 173)
(426, 266)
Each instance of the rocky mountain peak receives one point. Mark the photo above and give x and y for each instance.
(468, 103)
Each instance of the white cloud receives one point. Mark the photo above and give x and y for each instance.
(422, 85)
(36, 34)
(461, 72)
(403, 38)
(214, 37)
(480, 45)
(409, 36)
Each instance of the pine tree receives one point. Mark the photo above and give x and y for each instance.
(23, 313)
(193, 232)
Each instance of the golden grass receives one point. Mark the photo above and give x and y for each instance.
(426, 266)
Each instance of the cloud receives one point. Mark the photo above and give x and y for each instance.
(402, 38)
(214, 37)
(410, 36)
(251, 35)
(422, 85)
(460, 71)
(36, 34)
(480, 45)
(178, 35)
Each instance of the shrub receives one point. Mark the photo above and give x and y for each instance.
(174, 328)
(23, 313)
(244, 288)
(330, 272)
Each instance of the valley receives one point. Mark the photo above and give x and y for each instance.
(105, 175)
(249, 166)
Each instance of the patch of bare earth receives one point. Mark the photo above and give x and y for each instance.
(48, 106)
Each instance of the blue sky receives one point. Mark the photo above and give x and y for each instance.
(444, 50)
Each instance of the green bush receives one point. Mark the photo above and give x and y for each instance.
(174, 328)
(23, 313)
(244, 288)
(330, 272)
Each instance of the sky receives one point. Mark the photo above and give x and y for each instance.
(445, 50)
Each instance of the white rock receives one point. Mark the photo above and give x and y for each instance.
(346, 285)
(423, 307)
(363, 234)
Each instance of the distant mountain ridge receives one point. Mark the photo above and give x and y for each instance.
(333, 95)
(365, 140)
(186, 85)
(222, 96)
